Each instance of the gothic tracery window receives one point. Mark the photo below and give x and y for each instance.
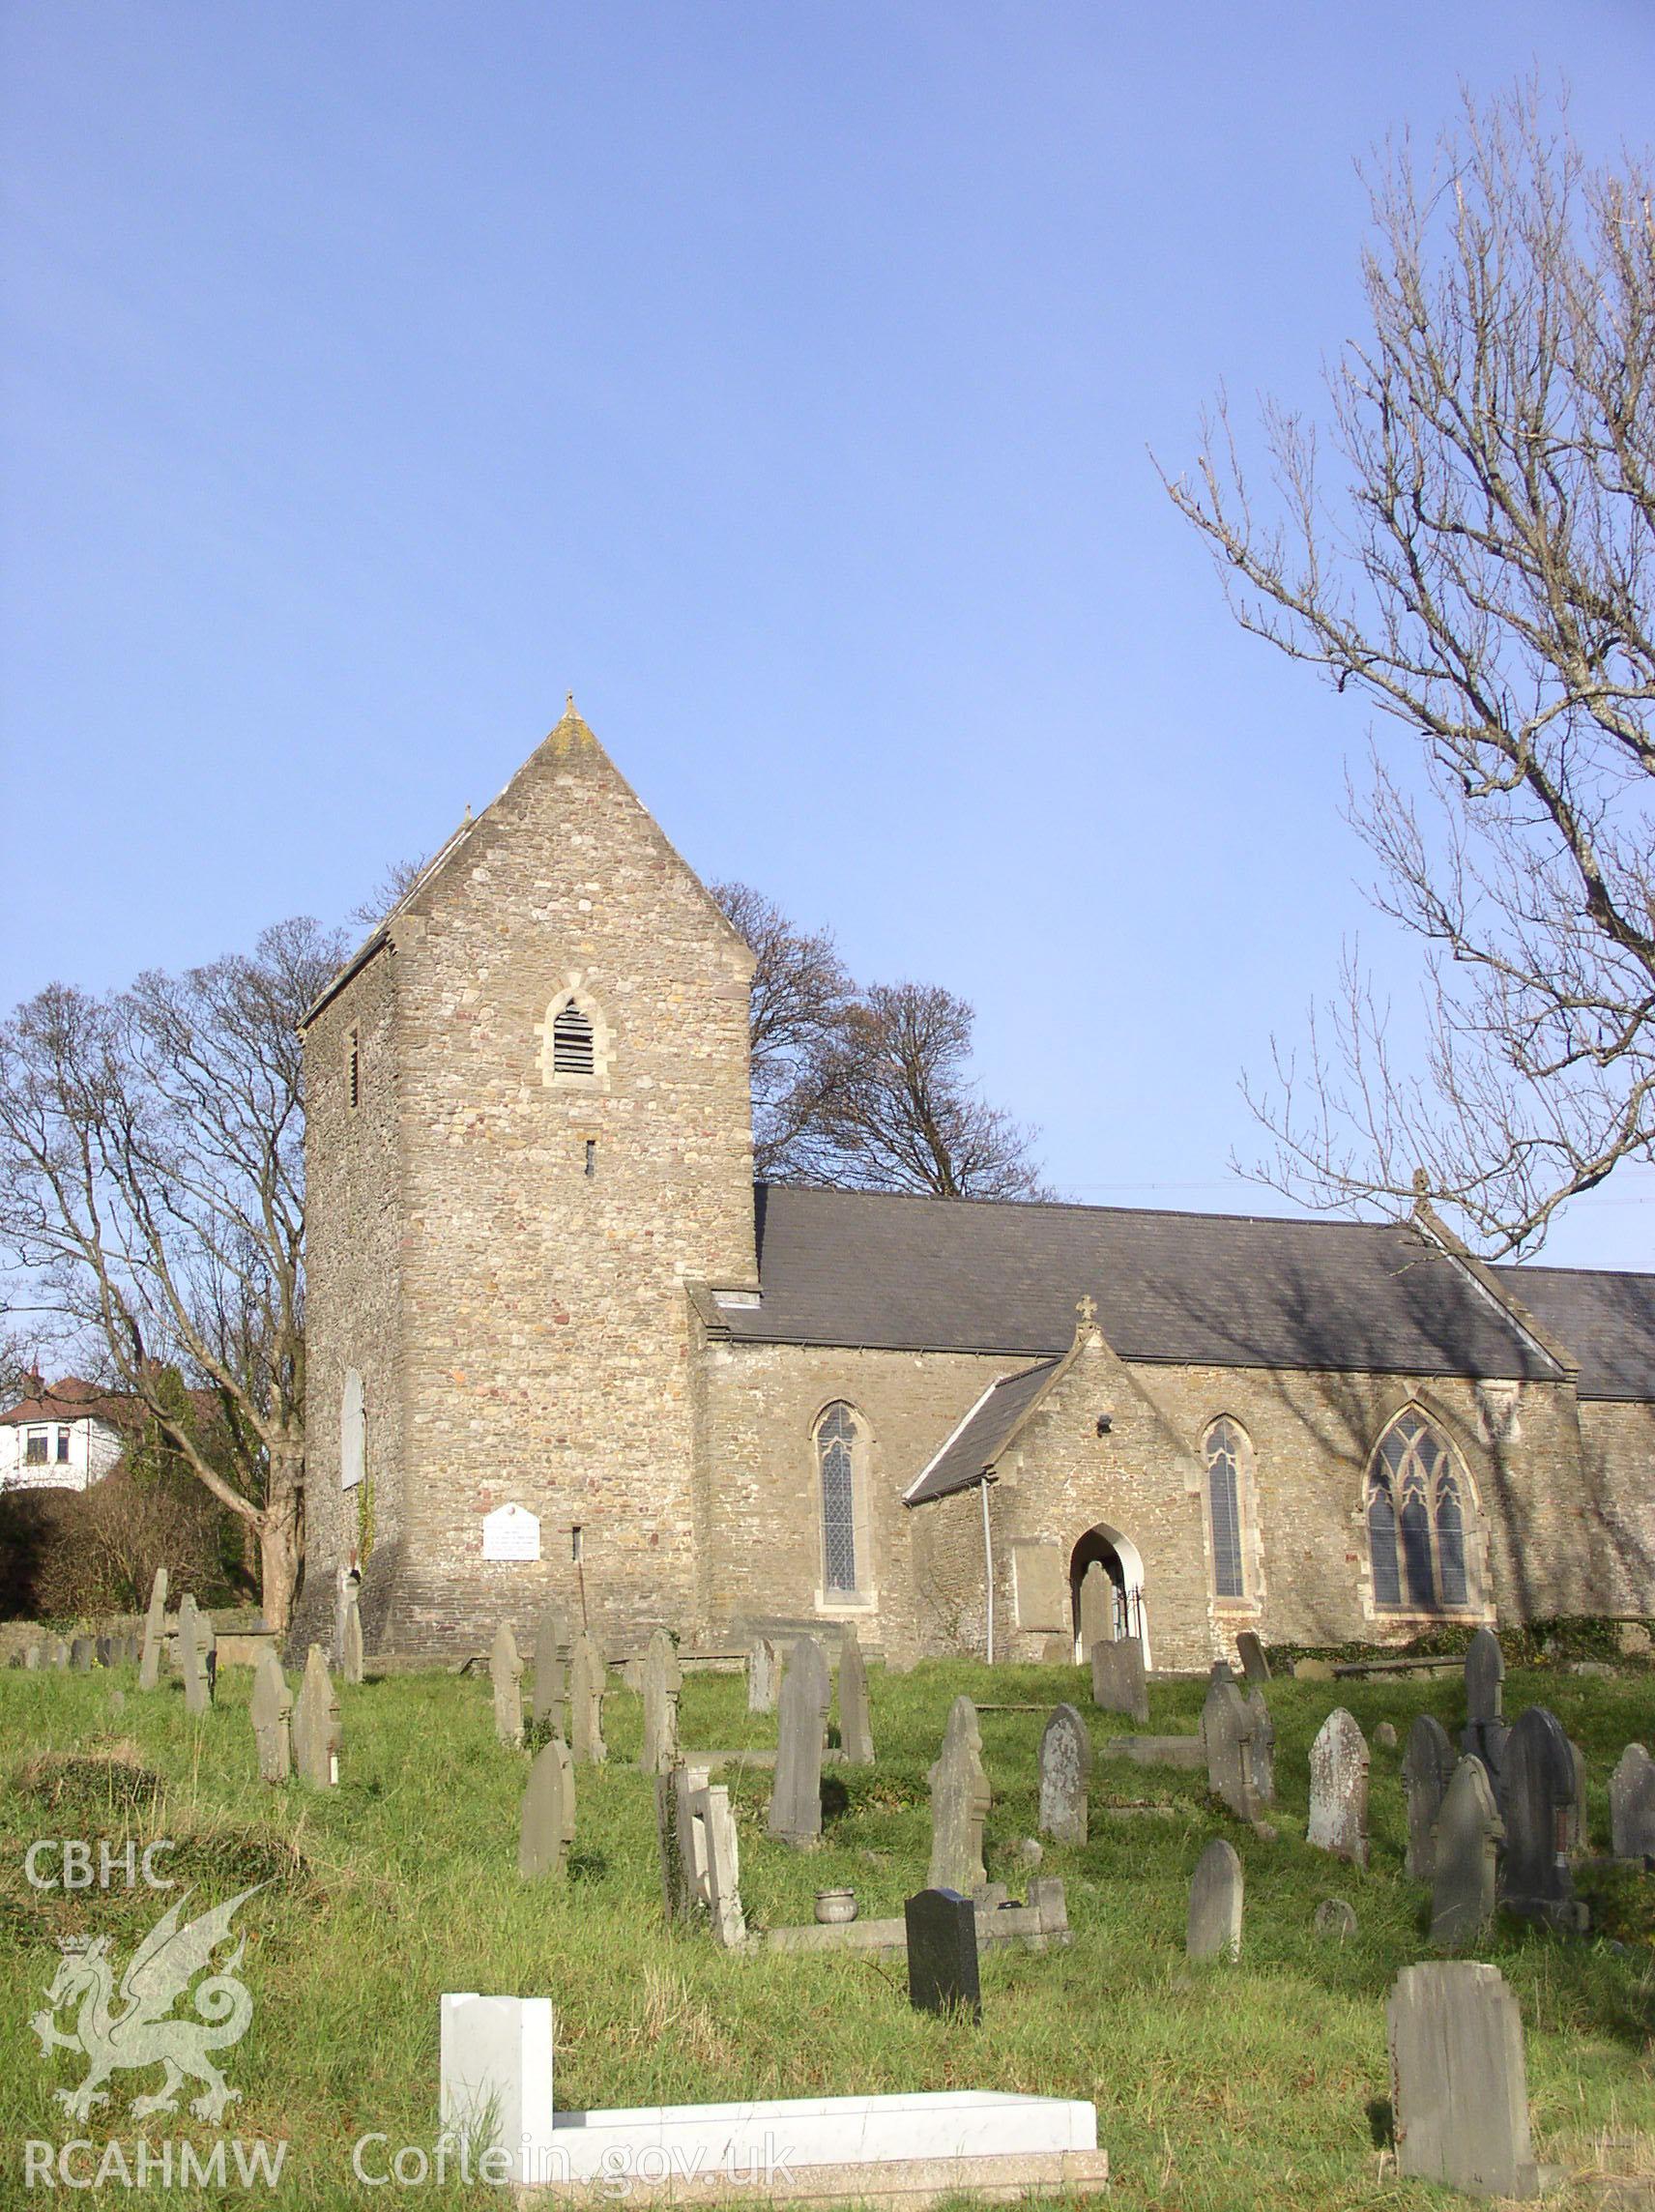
(1417, 1520)
(836, 1459)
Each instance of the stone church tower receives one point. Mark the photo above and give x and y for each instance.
(529, 1122)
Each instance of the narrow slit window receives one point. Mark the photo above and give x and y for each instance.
(1223, 1499)
(353, 1069)
(574, 1049)
(836, 1448)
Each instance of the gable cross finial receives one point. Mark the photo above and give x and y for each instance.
(1086, 1308)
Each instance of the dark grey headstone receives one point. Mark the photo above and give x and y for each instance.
(1119, 1684)
(801, 1723)
(82, 1651)
(1632, 1805)
(1065, 1768)
(1464, 1858)
(1339, 1789)
(103, 1646)
(942, 1953)
(1251, 1653)
(1485, 1732)
(1459, 2086)
(1214, 1927)
(1226, 1735)
(1538, 1802)
(1426, 1767)
(855, 1725)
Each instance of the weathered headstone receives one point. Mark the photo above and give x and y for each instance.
(802, 1722)
(103, 1650)
(1227, 1737)
(506, 1673)
(1537, 1799)
(184, 1633)
(1065, 1766)
(1384, 1737)
(316, 1725)
(1339, 1788)
(682, 1841)
(1097, 1609)
(855, 1726)
(32, 1656)
(1251, 1653)
(1335, 1918)
(764, 1672)
(547, 1827)
(1464, 1854)
(193, 1656)
(1426, 1767)
(1263, 1746)
(271, 1711)
(1459, 2086)
(154, 1632)
(942, 1977)
(589, 1678)
(960, 1803)
(82, 1651)
(1485, 1731)
(550, 1688)
(663, 1680)
(1631, 1806)
(352, 1655)
(1118, 1680)
(721, 1858)
(1214, 1927)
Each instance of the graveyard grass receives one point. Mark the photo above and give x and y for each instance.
(1260, 2084)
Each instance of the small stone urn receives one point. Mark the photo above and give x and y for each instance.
(836, 1906)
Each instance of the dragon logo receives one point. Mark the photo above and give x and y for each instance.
(133, 2030)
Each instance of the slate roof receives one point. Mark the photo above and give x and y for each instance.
(73, 1399)
(1607, 1320)
(877, 1270)
(982, 1436)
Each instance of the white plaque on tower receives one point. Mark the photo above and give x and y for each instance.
(510, 1533)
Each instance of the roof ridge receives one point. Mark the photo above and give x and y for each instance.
(1080, 1206)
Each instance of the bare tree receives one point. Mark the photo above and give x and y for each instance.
(902, 1112)
(1470, 550)
(152, 1182)
(392, 889)
(801, 998)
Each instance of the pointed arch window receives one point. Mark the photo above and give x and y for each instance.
(836, 1440)
(574, 1041)
(574, 1050)
(1417, 1520)
(1226, 1450)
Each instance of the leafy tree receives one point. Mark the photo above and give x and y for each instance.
(1469, 547)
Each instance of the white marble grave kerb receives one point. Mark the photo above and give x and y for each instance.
(497, 2074)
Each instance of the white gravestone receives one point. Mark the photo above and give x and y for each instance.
(510, 1533)
(496, 2073)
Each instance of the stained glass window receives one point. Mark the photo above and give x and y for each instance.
(1224, 1447)
(835, 1450)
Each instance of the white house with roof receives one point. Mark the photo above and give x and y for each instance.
(65, 1437)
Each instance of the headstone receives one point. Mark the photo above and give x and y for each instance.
(721, 1857)
(351, 1656)
(762, 1675)
(1485, 1731)
(589, 1676)
(82, 1652)
(1335, 1919)
(1251, 1653)
(271, 1711)
(496, 2081)
(207, 1643)
(1065, 1765)
(32, 1656)
(960, 1801)
(547, 1827)
(154, 1633)
(1097, 1609)
(856, 1727)
(1426, 1767)
(103, 1650)
(1459, 2086)
(1464, 1858)
(1118, 1680)
(1214, 1928)
(59, 1652)
(1339, 1789)
(1263, 1746)
(550, 1688)
(1631, 1806)
(1227, 1737)
(663, 1680)
(505, 1672)
(1579, 1837)
(183, 1634)
(942, 1953)
(316, 1725)
(192, 1655)
(802, 1720)
(1537, 1799)
(1385, 1736)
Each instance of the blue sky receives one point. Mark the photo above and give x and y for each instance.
(783, 379)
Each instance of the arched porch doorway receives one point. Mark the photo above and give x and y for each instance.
(1123, 1564)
